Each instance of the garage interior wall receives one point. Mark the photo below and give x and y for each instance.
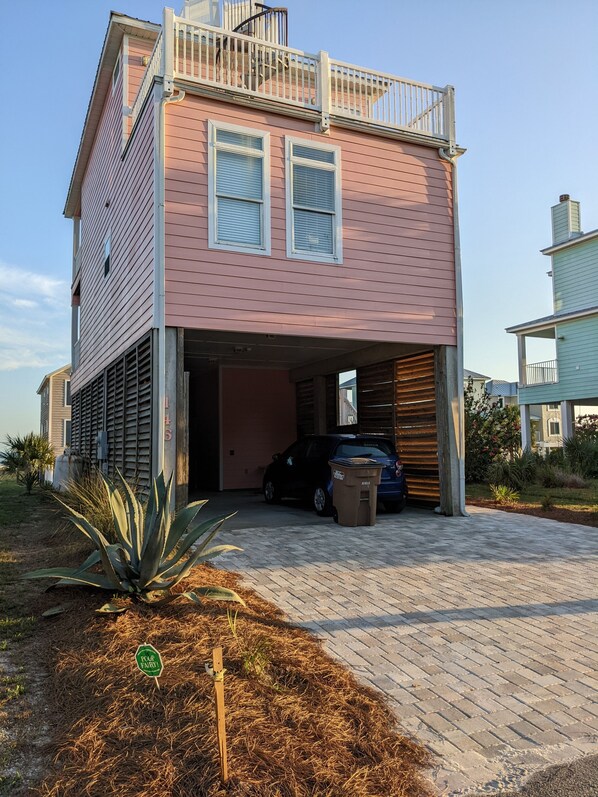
(258, 420)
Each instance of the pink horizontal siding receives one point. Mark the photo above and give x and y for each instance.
(258, 420)
(118, 196)
(397, 281)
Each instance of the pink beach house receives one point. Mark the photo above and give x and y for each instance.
(254, 225)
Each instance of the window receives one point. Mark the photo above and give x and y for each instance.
(116, 73)
(66, 433)
(67, 393)
(314, 224)
(239, 189)
(554, 406)
(554, 428)
(107, 255)
(347, 398)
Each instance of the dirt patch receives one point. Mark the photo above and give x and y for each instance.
(298, 723)
(584, 518)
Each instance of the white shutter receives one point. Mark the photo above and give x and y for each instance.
(239, 222)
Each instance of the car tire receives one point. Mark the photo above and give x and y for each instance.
(394, 507)
(322, 502)
(271, 493)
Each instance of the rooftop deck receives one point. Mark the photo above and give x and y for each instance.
(216, 60)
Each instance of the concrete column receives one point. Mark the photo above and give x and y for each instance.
(567, 419)
(449, 429)
(526, 430)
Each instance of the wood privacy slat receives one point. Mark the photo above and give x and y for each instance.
(375, 399)
(120, 402)
(415, 427)
(306, 422)
(331, 403)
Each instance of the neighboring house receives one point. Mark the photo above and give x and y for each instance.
(55, 414)
(251, 221)
(503, 393)
(545, 422)
(347, 394)
(571, 378)
(478, 382)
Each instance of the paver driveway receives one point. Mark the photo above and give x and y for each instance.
(482, 631)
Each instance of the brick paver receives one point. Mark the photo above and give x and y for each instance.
(482, 631)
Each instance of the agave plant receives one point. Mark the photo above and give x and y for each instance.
(154, 551)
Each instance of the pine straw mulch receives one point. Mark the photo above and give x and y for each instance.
(582, 517)
(298, 723)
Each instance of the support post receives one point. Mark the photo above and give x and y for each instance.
(170, 404)
(168, 44)
(567, 419)
(448, 423)
(325, 92)
(182, 424)
(526, 431)
(521, 357)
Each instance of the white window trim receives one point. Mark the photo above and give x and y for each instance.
(64, 423)
(337, 257)
(66, 382)
(213, 243)
(117, 68)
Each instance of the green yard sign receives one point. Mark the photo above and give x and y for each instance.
(149, 661)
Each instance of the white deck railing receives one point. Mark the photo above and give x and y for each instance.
(153, 69)
(232, 61)
(244, 65)
(544, 373)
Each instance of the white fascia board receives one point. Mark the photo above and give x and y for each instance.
(579, 239)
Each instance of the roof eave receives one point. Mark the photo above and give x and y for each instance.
(579, 239)
(117, 27)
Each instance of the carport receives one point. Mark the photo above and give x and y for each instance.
(244, 396)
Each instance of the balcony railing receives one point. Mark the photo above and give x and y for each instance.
(541, 373)
(232, 62)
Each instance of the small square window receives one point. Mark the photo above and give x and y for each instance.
(554, 428)
(107, 256)
(347, 398)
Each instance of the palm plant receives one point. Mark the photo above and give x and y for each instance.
(154, 551)
(27, 456)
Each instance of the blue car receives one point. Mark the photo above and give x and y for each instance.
(303, 472)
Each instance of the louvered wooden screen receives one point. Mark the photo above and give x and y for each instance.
(331, 403)
(376, 399)
(306, 415)
(119, 401)
(415, 426)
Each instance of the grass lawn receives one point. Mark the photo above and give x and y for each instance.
(571, 505)
(298, 723)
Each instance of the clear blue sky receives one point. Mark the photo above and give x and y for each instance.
(525, 73)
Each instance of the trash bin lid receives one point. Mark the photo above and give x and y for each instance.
(356, 462)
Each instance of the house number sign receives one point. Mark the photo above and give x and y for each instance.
(167, 429)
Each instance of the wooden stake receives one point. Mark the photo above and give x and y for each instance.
(220, 720)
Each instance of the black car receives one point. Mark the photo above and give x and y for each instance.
(302, 471)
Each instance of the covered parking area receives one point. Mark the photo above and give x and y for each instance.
(242, 397)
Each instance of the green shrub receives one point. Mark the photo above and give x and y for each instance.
(27, 456)
(581, 454)
(547, 503)
(514, 473)
(503, 494)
